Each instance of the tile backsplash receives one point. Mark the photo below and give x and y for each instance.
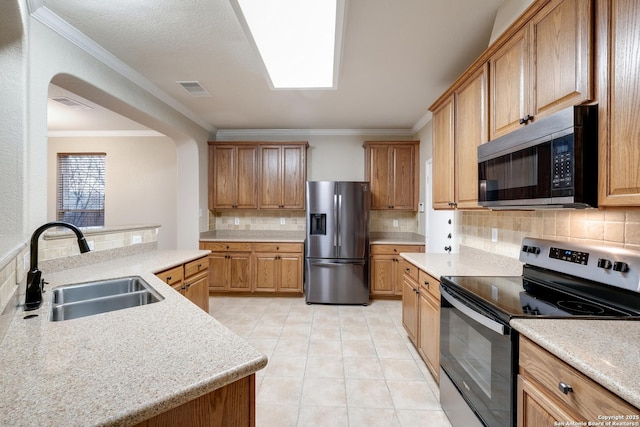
(611, 227)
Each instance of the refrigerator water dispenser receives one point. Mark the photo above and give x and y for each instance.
(318, 223)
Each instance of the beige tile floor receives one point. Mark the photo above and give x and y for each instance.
(333, 365)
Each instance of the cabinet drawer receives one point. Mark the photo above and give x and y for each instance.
(395, 249)
(430, 283)
(227, 246)
(172, 276)
(278, 247)
(410, 270)
(588, 398)
(196, 266)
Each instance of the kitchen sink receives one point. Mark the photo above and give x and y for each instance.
(87, 299)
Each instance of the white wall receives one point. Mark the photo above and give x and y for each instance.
(31, 56)
(507, 13)
(141, 185)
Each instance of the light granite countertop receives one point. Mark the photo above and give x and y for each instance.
(607, 351)
(399, 238)
(121, 367)
(252, 236)
(467, 262)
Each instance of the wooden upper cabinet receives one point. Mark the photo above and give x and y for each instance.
(471, 130)
(392, 171)
(232, 176)
(510, 84)
(459, 127)
(443, 155)
(282, 176)
(250, 175)
(544, 67)
(619, 102)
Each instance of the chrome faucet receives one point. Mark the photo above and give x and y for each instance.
(35, 282)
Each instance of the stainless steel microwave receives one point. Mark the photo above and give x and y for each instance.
(550, 163)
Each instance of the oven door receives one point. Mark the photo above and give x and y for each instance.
(478, 355)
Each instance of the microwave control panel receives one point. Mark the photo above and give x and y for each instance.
(563, 162)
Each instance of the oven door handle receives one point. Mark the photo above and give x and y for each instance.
(483, 320)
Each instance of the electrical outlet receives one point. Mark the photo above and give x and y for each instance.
(236, 221)
(282, 221)
(395, 222)
(136, 239)
(494, 235)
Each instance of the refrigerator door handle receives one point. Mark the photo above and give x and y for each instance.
(339, 223)
(336, 224)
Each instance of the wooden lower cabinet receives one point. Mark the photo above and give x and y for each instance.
(255, 266)
(541, 402)
(191, 280)
(278, 267)
(386, 269)
(230, 406)
(421, 314)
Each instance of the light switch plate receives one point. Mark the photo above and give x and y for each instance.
(395, 222)
(236, 221)
(282, 221)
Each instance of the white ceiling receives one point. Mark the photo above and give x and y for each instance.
(398, 57)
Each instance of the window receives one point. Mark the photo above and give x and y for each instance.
(80, 189)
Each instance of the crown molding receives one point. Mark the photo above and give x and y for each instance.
(261, 133)
(422, 122)
(47, 17)
(102, 133)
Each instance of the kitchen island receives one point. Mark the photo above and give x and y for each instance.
(121, 367)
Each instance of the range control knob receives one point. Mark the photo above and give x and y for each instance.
(622, 267)
(525, 248)
(604, 263)
(533, 250)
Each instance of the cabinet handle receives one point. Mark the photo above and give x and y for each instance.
(426, 283)
(449, 236)
(168, 279)
(565, 388)
(408, 270)
(526, 119)
(447, 248)
(227, 246)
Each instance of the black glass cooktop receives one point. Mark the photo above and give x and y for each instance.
(520, 296)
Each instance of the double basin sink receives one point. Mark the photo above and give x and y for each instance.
(86, 299)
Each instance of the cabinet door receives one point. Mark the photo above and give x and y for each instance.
(222, 182)
(266, 278)
(239, 271)
(410, 308)
(619, 108)
(443, 156)
(429, 332)
(535, 408)
(383, 274)
(402, 173)
(379, 169)
(290, 273)
(218, 272)
(509, 82)
(471, 130)
(247, 167)
(561, 50)
(270, 172)
(293, 177)
(196, 289)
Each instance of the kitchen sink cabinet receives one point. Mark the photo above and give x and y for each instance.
(421, 314)
(544, 67)
(191, 280)
(233, 172)
(282, 176)
(386, 270)
(230, 406)
(392, 170)
(550, 392)
(618, 36)
(278, 267)
(459, 126)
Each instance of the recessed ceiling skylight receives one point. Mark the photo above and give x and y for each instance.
(296, 39)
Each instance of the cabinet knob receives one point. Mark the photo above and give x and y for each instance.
(526, 119)
(408, 270)
(565, 388)
(426, 283)
(168, 279)
(447, 248)
(449, 236)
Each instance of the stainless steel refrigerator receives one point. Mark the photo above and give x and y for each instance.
(337, 242)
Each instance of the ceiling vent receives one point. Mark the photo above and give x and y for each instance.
(68, 102)
(195, 89)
